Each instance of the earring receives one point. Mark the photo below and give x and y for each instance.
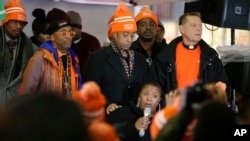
(138, 103)
(159, 106)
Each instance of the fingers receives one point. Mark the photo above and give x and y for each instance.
(170, 97)
(112, 107)
(145, 122)
(142, 123)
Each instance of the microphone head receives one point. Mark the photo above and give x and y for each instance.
(147, 111)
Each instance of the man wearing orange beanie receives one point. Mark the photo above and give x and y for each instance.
(117, 69)
(92, 102)
(147, 24)
(16, 50)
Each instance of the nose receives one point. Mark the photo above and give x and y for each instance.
(149, 97)
(130, 38)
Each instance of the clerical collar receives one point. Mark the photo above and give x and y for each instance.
(191, 47)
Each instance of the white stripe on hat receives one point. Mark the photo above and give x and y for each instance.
(123, 17)
(14, 9)
(160, 120)
(94, 113)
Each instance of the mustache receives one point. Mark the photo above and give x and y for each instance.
(148, 31)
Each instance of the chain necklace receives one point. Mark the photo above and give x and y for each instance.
(66, 75)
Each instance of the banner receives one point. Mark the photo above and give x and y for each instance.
(2, 10)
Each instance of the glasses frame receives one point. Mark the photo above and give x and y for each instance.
(63, 33)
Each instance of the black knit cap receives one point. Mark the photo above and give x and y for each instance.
(57, 19)
(55, 25)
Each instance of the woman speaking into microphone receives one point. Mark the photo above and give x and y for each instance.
(132, 122)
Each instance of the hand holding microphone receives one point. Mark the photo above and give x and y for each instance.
(147, 112)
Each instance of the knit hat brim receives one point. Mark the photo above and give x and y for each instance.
(146, 13)
(18, 16)
(54, 26)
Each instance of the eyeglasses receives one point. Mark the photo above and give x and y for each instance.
(66, 33)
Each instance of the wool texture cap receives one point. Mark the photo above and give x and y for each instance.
(160, 24)
(57, 19)
(110, 23)
(57, 24)
(56, 14)
(145, 12)
(75, 19)
(160, 119)
(123, 21)
(14, 11)
(92, 101)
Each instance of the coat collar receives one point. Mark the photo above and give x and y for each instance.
(114, 60)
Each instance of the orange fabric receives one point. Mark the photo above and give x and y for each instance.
(123, 21)
(92, 101)
(145, 12)
(14, 11)
(101, 131)
(110, 23)
(188, 135)
(160, 119)
(52, 73)
(187, 65)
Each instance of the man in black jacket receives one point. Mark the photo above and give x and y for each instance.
(147, 24)
(188, 59)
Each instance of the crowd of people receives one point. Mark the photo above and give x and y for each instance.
(61, 84)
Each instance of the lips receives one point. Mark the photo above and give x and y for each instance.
(17, 32)
(148, 105)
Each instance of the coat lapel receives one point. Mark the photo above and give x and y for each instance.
(115, 62)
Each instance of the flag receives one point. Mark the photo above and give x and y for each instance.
(2, 10)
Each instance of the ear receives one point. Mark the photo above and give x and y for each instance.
(115, 35)
(181, 29)
(52, 37)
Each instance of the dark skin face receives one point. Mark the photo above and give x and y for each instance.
(61, 41)
(124, 39)
(77, 32)
(146, 29)
(160, 34)
(14, 28)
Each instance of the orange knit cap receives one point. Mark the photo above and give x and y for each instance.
(110, 23)
(123, 21)
(145, 12)
(14, 11)
(160, 119)
(92, 101)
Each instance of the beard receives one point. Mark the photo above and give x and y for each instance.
(147, 39)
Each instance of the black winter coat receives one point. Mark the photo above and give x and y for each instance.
(163, 68)
(105, 68)
(123, 119)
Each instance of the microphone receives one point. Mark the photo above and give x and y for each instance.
(146, 112)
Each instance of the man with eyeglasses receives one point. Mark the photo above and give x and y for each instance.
(54, 67)
(15, 50)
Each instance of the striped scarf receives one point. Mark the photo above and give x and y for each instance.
(126, 56)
